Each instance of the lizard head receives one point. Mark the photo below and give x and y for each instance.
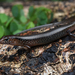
(4, 40)
(9, 40)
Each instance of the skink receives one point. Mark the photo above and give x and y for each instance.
(59, 31)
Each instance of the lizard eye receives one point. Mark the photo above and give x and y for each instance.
(6, 39)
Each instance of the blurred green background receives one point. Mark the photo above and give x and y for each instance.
(10, 25)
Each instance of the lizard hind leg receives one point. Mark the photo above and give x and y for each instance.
(73, 35)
